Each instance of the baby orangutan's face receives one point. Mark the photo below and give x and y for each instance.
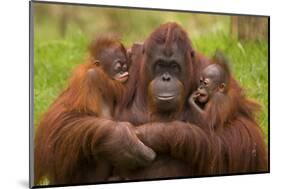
(210, 82)
(114, 62)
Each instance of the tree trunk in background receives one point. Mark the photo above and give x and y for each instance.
(67, 15)
(63, 21)
(249, 27)
(234, 26)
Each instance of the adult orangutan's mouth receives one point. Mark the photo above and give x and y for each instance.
(166, 98)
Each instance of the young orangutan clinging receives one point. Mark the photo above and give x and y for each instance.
(76, 140)
(110, 65)
(212, 94)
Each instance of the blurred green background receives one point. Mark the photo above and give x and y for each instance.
(62, 34)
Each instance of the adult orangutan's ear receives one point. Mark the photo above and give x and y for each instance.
(222, 87)
(143, 48)
(192, 53)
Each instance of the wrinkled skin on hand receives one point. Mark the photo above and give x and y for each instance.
(122, 147)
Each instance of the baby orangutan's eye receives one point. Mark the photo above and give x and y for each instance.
(125, 67)
(206, 82)
(117, 67)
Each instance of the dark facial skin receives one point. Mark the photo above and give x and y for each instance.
(211, 81)
(115, 63)
(165, 69)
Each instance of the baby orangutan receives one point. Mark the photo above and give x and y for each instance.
(211, 97)
(111, 55)
(109, 73)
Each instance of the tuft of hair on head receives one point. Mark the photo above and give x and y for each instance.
(102, 42)
(168, 33)
(221, 60)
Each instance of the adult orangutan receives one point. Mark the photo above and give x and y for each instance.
(157, 102)
(76, 140)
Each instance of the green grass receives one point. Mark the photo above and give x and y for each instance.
(53, 62)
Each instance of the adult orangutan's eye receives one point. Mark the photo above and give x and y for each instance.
(175, 67)
(158, 66)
